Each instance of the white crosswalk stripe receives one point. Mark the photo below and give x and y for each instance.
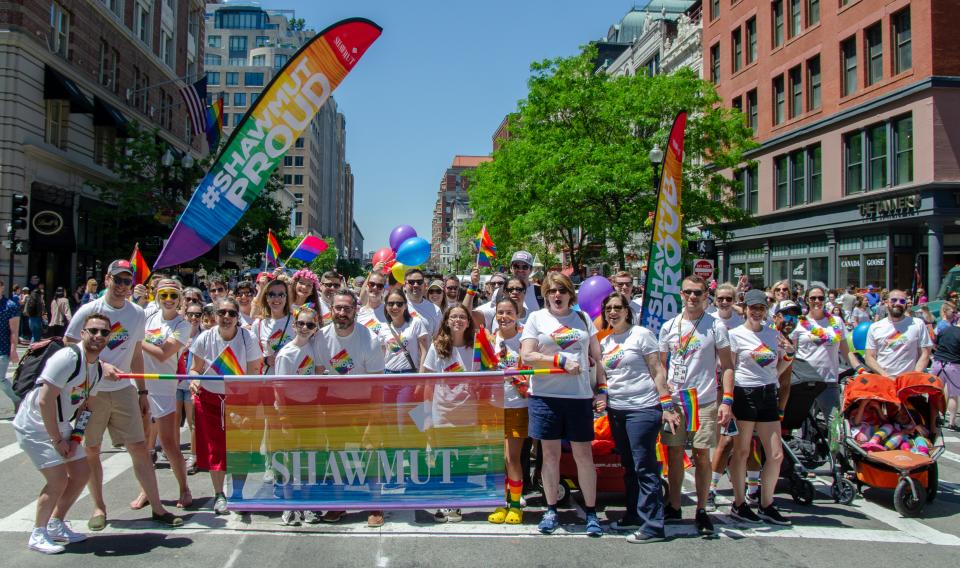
(9, 451)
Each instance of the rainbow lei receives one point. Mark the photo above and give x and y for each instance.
(820, 332)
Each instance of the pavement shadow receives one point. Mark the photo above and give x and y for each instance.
(118, 545)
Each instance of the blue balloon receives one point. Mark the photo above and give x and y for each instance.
(413, 251)
(858, 338)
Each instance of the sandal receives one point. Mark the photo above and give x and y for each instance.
(168, 519)
(140, 502)
(498, 516)
(97, 523)
(185, 503)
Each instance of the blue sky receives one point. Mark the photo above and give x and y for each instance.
(436, 84)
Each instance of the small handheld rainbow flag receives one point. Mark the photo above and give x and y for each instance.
(486, 250)
(273, 249)
(141, 271)
(227, 363)
(309, 248)
(484, 355)
(691, 409)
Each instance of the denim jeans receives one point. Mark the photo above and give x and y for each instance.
(5, 385)
(635, 434)
(36, 329)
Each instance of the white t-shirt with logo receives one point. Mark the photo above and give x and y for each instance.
(158, 331)
(756, 355)
(409, 333)
(298, 360)
(273, 334)
(508, 351)
(818, 344)
(629, 380)
(221, 357)
(569, 335)
(692, 354)
(73, 391)
(735, 319)
(428, 311)
(372, 318)
(356, 354)
(898, 344)
(126, 332)
(326, 314)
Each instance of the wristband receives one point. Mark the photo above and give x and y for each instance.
(666, 403)
(559, 361)
(780, 412)
(139, 392)
(727, 399)
(788, 357)
(471, 292)
(602, 389)
(861, 370)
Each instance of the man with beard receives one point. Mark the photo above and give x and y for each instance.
(329, 282)
(451, 289)
(420, 306)
(897, 343)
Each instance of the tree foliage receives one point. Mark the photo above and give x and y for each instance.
(575, 171)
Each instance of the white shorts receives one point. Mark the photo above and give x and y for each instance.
(162, 404)
(39, 448)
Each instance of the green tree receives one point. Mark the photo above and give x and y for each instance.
(575, 171)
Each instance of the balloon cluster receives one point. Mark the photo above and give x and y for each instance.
(406, 250)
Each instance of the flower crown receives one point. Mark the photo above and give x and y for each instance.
(306, 274)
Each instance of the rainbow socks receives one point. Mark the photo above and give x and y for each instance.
(753, 482)
(514, 492)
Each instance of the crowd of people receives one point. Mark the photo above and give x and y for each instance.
(729, 354)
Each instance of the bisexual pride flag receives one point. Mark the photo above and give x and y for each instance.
(309, 248)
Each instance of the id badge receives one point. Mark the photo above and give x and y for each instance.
(679, 370)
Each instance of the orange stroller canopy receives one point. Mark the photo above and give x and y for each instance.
(870, 387)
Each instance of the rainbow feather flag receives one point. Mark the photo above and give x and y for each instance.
(691, 409)
(486, 250)
(214, 124)
(273, 249)
(141, 270)
(227, 363)
(484, 356)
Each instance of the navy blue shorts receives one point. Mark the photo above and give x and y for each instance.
(554, 418)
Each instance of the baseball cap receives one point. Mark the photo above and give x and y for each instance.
(755, 297)
(870, 287)
(787, 305)
(435, 284)
(119, 267)
(522, 256)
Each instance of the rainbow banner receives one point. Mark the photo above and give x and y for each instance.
(691, 409)
(271, 126)
(328, 442)
(665, 258)
(214, 124)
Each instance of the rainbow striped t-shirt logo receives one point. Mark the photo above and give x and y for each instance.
(306, 367)
(342, 363)
(154, 336)
(393, 347)
(565, 337)
(689, 344)
(455, 367)
(896, 339)
(277, 340)
(763, 356)
(612, 359)
(373, 324)
(77, 395)
(118, 336)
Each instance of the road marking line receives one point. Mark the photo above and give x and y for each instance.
(9, 451)
(950, 456)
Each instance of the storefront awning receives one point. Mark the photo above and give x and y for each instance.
(105, 114)
(57, 86)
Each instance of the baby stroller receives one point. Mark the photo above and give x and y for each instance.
(912, 476)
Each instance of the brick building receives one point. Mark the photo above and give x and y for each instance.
(451, 211)
(856, 177)
(74, 74)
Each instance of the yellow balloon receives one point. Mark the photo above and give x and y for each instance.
(399, 272)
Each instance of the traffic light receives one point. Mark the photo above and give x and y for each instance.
(19, 211)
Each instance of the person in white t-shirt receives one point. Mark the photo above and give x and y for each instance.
(693, 345)
(119, 404)
(167, 333)
(623, 283)
(561, 406)
(724, 299)
(372, 314)
(45, 435)
(329, 284)
(346, 348)
(405, 340)
(245, 294)
(303, 289)
(273, 327)
(227, 349)
(898, 343)
(418, 304)
(761, 354)
(521, 266)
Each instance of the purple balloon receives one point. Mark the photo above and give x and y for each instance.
(400, 234)
(592, 293)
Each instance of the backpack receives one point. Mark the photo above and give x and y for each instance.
(33, 361)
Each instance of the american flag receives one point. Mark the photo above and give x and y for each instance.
(195, 97)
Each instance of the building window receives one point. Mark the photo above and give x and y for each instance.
(109, 61)
(253, 79)
(903, 150)
(297, 179)
(258, 61)
(238, 50)
(795, 21)
(853, 155)
(237, 117)
(279, 60)
(868, 154)
(57, 119)
(748, 189)
(60, 29)
(848, 54)
(737, 103)
(796, 92)
(287, 179)
(212, 60)
(213, 78)
(778, 100)
(239, 99)
(298, 143)
(141, 22)
(874, 36)
(813, 12)
(298, 218)
(233, 78)
(902, 58)
(298, 161)
(115, 6)
(813, 83)
(166, 47)
(752, 110)
(781, 165)
(261, 41)
(737, 40)
(877, 146)
(288, 161)
(816, 178)
(252, 19)
(714, 9)
(715, 64)
(798, 186)
(751, 40)
(103, 138)
(213, 41)
(798, 177)
(776, 15)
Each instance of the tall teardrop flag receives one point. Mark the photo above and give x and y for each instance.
(269, 128)
(484, 356)
(309, 248)
(214, 124)
(486, 250)
(141, 270)
(661, 301)
(273, 249)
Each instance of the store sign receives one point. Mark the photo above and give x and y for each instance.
(850, 263)
(800, 270)
(880, 261)
(756, 270)
(903, 205)
(48, 223)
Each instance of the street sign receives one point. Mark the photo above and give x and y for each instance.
(703, 267)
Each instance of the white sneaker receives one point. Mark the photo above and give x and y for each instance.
(40, 542)
(289, 518)
(60, 531)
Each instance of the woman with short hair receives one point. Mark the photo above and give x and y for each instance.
(273, 327)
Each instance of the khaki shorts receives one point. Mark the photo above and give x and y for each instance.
(704, 438)
(515, 422)
(120, 412)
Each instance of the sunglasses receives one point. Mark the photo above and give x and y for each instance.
(790, 317)
(782, 289)
(244, 294)
(557, 291)
(375, 286)
(724, 298)
(618, 284)
(227, 313)
(452, 288)
(695, 293)
(614, 308)
(814, 298)
(192, 315)
(122, 281)
(519, 267)
(515, 289)
(216, 290)
(168, 296)
(396, 304)
(306, 325)
(192, 299)
(329, 284)
(434, 291)
(95, 331)
(415, 282)
(901, 301)
(276, 295)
